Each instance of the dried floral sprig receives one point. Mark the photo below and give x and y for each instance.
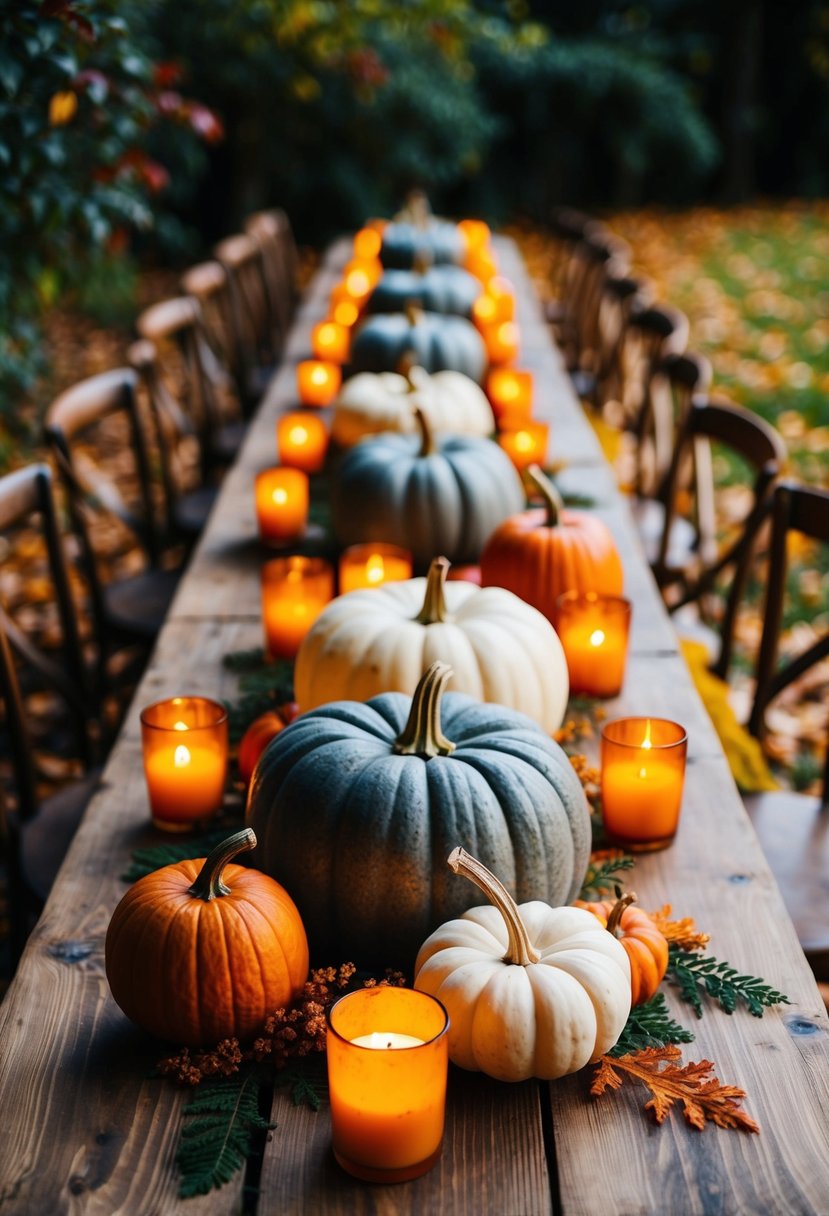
(683, 933)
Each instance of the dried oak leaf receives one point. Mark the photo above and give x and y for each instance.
(682, 933)
(703, 1097)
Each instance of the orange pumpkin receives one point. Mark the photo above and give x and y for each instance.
(646, 946)
(541, 553)
(259, 734)
(202, 950)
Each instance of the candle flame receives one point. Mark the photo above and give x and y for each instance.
(523, 441)
(357, 283)
(346, 312)
(181, 756)
(319, 375)
(298, 434)
(597, 637)
(180, 726)
(375, 569)
(280, 496)
(646, 742)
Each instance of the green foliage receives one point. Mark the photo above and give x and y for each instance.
(146, 860)
(306, 1078)
(603, 877)
(696, 976)
(650, 1025)
(219, 1123)
(263, 685)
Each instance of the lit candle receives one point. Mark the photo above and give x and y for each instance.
(345, 312)
(302, 439)
(317, 382)
(387, 1054)
(373, 564)
(510, 392)
(369, 241)
(476, 234)
(502, 294)
(184, 745)
(642, 777)
(360, 277)
(593, 629)
(481, 263)
(502, 341)
(295, 590)
(331, 341)
(527, 444)
(281, 497)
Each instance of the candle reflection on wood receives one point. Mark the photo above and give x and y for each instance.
(593, 629)
(184, 746)
(302, 440)
(642, 778)
(295, 590)
(371, 565)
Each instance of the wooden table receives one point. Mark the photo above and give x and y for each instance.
(85, 1131)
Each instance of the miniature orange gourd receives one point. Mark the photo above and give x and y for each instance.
(646, 946)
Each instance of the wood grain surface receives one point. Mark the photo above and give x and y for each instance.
(84, 1128)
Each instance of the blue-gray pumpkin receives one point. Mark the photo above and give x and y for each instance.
(356, 807)
(437, 343)
(430, 494)
(441, 289)
(438, 241)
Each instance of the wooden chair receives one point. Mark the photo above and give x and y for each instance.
(255, 325)
(273, 233)
(592, 260)
(793, 828)
(688, 573)
(101, 447)
(622, 297)
(208, 283)
(40, 828)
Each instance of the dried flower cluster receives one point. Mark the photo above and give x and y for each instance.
(588, 775)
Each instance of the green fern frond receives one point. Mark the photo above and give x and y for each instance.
(650, 1025)
(695, 976)
(602, 877)
(216, 1138)
(144, 861)
(306, 1079)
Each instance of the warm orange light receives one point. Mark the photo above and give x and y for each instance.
(476, 233)
(484, 312)
(481, 263)
(281, 497)
(295, 590)
(368, 243)
(361, 276)
(331, 341)
(502, 294)
(510, 392)
(593, 629)
(302, 440)
(502, 342)
(527, 445)
(387, 1054)
(373, 564)
(643, 773)
(184, 745)
(317, 381)
(345, 312)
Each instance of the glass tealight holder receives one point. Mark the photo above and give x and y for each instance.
(642, 778)
(184, 742)
(295, 589)
(373, 564)
(593, 629)
(302, 440)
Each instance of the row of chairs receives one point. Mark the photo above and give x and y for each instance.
(628, 360)
(167, 425)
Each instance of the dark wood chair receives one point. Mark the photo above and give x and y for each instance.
(622, 297)
(102, 449)
(255, 324)
(720, 551)
(208, 283)
(273, 233)
(793, 828)
(49, 709)
(592, 260)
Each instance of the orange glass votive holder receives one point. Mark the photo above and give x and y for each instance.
(388, 1054)
(593, 629)
(302, 440)
(476, 233)
(318, 381)
(281, 497)
(372, 564)
(642, 778)
(527, 444)
(502, 294)
(510, 394)
(481, 262)
(295, 590)
(184, 743)
(368, 242)
(502, 341)
(331, 341)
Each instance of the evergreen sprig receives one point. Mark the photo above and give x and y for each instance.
(696, 976)
(650, 1025)
(306, 1079)
(153, 857)
(602, 876)
(263, 685)
(219, 1122)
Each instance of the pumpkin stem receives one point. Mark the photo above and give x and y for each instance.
(405, 365)
(552, 499)
(208, 884)
(414, 313)
(422, 735)
(519, 950)
(434, 601)
(622, 902)
(422, 261)
(427, 436)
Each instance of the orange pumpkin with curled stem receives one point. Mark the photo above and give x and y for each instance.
(259, 734)
(646, 946)
(540, 554)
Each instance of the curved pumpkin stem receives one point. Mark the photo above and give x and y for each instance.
(519, 950)
(434, 601)
(552, 499)
(414, 313)
(427, 435)
(422, 735)
(208, 884)
(422, 261)
(622, 902)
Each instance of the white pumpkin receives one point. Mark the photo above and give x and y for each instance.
(372, 402)
(531, 990)
(384, 639)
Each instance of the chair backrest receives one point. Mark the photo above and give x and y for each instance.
(254, 318)
(673, 383)
(208, 283)
(598, 257)
(718, 549)
(26, 663)
(622, 296)
(794, 509)
(273, 233)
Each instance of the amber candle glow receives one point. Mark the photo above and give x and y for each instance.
(317, 381)
(330, 341)
(510, 394)
(593, 629)
(302, 439)
(369, 241)
(184, 744)
(373, 564)
(281, 503)
(502, 342)
(295, 590)
(527, 444)
(476, 233)
(643, 773)
(387, 1063)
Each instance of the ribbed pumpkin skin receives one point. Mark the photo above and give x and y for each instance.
(644, 944)
(500, 649)
(360, 836)
(405, 243)
(373, 402)
(449, 501)
(438, 343)
(539, 562)
(441, 289)
(195, 972)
